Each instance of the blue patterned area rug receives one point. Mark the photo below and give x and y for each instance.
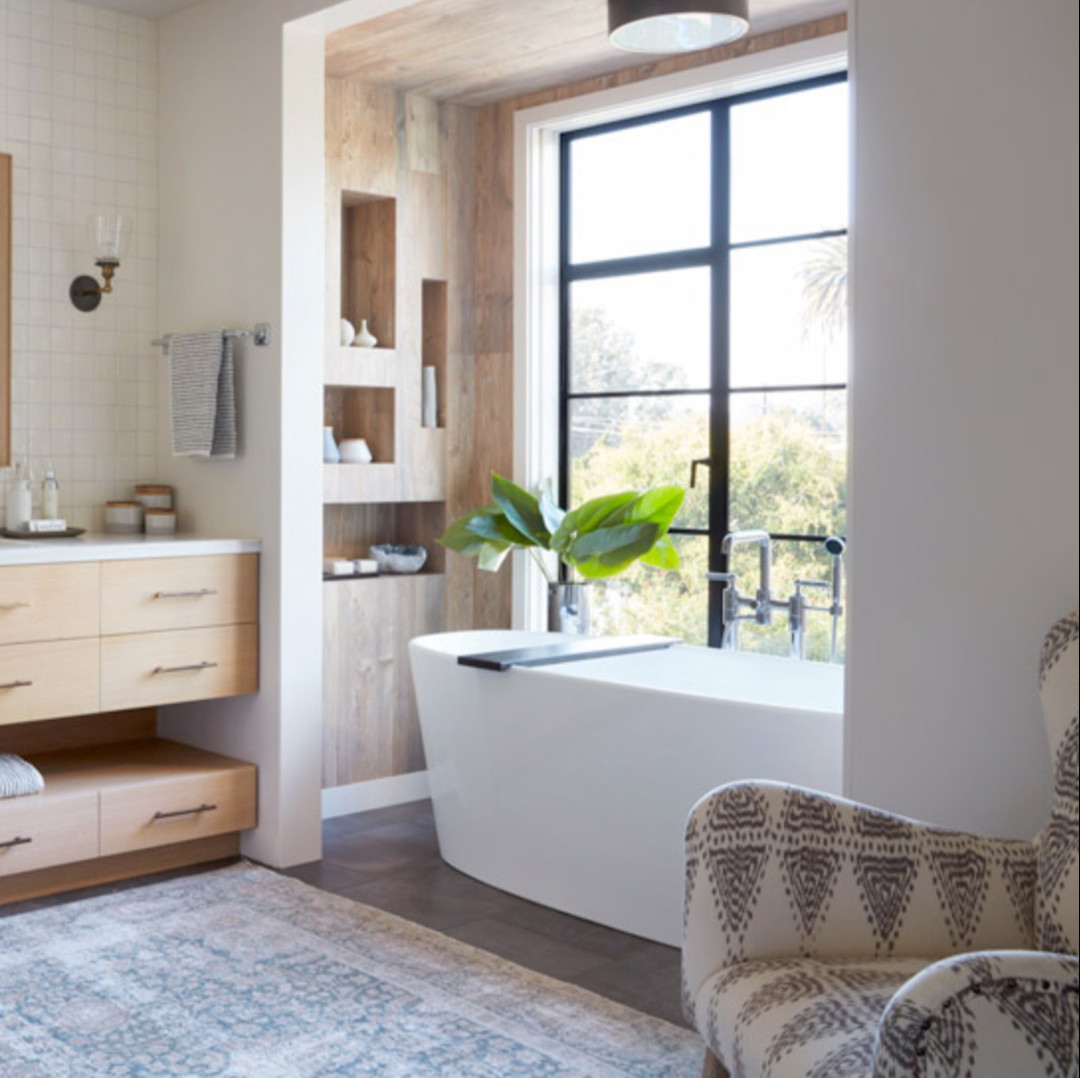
(241, 972)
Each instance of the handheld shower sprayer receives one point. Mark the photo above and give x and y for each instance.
(835, 547)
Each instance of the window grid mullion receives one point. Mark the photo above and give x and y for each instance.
(720, 411)
(716, 257)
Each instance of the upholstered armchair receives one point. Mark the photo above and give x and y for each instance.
(825, 939)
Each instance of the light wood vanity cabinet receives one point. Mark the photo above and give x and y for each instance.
(178, 593)
(49, 679)
(49, 602)
(105, 643)
(104, 636)
(39, 832)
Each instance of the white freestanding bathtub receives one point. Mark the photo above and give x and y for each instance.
(570, 784)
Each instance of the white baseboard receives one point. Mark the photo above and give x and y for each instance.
(374, 794)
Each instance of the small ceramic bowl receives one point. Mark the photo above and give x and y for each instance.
(395, 558)
(354, 451)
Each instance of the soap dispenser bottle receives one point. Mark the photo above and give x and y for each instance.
(19, 501)
(50, 495)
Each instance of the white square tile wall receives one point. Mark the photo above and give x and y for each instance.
(78, 113)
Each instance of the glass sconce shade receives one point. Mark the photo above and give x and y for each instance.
(675, 25)
(110, 236)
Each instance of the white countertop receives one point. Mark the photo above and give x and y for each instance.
(118, 547)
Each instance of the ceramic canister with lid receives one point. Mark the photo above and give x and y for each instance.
(154, 495)
(160, 522)
(123, 518)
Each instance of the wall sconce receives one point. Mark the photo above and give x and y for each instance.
(109, 237)
(675, 25)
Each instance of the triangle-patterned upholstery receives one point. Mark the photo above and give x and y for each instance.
(823, 937)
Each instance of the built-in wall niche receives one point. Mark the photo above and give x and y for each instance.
(434, 321)
(369, 264)
(362, 412)
(349, 531)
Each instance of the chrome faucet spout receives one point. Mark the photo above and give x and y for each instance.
(764, 542)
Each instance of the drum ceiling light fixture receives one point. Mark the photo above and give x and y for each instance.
(675, 25)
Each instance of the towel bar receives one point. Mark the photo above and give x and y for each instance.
(261, 336)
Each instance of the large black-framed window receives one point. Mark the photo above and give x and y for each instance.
(702, 282)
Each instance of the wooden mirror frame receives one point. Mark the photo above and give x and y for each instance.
(5, 309)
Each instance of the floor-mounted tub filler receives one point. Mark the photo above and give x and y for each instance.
(570, 784)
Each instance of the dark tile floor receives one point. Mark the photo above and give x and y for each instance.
(390, 859)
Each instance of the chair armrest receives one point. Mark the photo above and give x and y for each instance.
(779, 871)
(996, 1014)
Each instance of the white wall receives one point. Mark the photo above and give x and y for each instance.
(78, 114)
(964, 485)
(242, 241)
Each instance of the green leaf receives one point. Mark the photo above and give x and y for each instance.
(589, 516)
(608, 551)
(492, 555)
(521, 509)
(663, 554)
(491, 524)
(550, 511)
(460, 537)
(658, 505)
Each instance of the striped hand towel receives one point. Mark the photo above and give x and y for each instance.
(18, 777)
(202, 380)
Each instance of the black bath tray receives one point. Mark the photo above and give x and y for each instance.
(567, 651)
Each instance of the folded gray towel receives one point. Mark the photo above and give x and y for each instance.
(202, 380)
(18, 777)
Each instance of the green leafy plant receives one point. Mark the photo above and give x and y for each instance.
(598, 539)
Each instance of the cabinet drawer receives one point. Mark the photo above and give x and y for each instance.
(49, 602)
(178, 593)
(40, 831)
(160, 813)
(143, 669)
(47, 681)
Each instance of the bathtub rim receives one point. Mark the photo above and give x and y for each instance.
(567, 671)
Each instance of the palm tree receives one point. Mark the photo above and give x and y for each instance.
(824, 277)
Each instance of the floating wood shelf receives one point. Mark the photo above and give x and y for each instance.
(374, 367)
(355, 484)
(423, 575)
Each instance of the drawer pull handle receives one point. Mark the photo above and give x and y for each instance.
(183, 669)
(20, 684)
(16, 841)
(199, 594)
(14, 606)
(183, 812)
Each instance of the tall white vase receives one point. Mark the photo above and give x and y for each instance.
(330, 452)
(429, 398)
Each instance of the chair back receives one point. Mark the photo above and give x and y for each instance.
(1058, 901)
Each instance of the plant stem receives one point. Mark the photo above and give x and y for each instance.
(535, 555)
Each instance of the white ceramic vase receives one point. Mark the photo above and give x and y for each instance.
(348, 332)
(364, 337)
(429, 398)
(330, 452)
